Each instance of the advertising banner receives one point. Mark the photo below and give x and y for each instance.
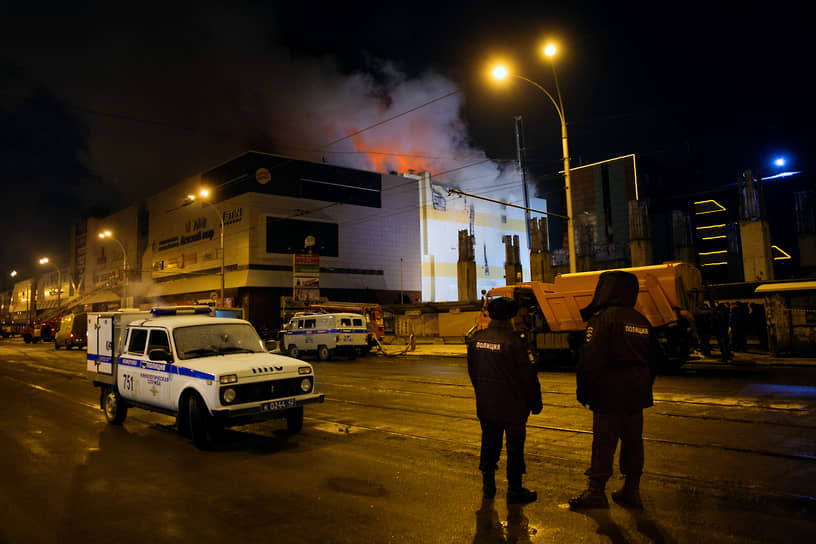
(306, 277)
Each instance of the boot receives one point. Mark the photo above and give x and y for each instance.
(629, 495)
(516, 494)
(488, 484)
(593, 497)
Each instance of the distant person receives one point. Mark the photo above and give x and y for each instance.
(721, 330)
(522, 324)
(521, 321)
(760, 327)
(507, 390)
(738, 322)
(616, 370)
(705, 328)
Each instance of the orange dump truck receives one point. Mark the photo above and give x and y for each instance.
(670, 294)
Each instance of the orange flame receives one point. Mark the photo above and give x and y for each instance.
(399, 150)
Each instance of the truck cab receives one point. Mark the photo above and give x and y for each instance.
(208, 372)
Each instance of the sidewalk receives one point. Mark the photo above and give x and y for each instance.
(424, 346)
(456, 347)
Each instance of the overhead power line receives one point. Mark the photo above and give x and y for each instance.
(355, 133)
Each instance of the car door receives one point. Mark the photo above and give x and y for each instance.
(128, 375)
(158, 372)
(309, 338)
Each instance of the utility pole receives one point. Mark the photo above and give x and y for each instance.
(521, 153)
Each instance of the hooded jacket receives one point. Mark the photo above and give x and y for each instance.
(620, 356)
(506, 384)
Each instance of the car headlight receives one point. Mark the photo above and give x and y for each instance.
(304, 370)
(306, 385)
(228, 395)
(228, 378)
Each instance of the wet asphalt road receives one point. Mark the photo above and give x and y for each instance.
(391, 456)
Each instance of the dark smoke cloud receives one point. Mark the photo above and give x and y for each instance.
(150, 100)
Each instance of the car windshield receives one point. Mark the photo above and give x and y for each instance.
(216, 339)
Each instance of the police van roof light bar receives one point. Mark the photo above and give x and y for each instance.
(180, 310)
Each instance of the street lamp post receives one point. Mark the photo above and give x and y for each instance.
(204, 193)
(45, 260)
(500, 72)
(107, 234)
(13, 274)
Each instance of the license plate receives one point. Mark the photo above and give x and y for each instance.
(275, 405)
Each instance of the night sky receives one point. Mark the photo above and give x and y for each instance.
(101, 104)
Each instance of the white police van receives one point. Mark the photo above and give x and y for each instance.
(209, 372)
(325, 334)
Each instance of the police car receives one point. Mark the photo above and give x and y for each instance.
(326, 334)
(208, 372)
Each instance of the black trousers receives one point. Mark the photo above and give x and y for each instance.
(607, 429)
(492, 433)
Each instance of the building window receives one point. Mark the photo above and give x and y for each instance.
(288, 236)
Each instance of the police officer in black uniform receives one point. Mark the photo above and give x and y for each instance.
(507, 390)
(615, 375)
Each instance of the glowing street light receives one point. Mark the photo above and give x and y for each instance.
(106, 234)
(27, 299)
(45, 260)
(205, 194)
(501, 72)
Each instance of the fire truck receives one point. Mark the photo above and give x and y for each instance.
(670, 295)
(37, 331)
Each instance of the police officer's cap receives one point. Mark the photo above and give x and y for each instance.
(502, 308)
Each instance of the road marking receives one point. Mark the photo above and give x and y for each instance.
(736, 402)
(53, 392)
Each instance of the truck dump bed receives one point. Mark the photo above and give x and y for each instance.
(665, 290)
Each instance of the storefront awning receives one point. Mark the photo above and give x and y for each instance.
(788, 286)
(105, 295)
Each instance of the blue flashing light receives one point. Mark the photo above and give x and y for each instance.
(780, 162)
(781, 175)
(179, 310)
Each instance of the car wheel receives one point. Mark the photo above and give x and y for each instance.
(183, 417)
(202, 427)
(293, 351)
(114, 405)
(294, 420)
(323, 353)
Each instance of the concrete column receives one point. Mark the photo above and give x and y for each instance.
(541, 268)
(585, 238)
(805, 203)
(466, 268)
(512, 259)
(640, 234)
(681, 236)
(755, 237)
(755, 234)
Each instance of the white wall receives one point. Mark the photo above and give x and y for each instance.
(489, 223)
(369, 239)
